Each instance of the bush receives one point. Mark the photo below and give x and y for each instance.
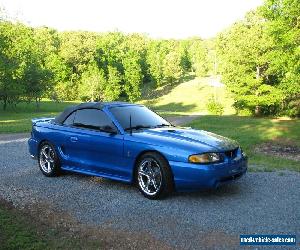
(214, 107)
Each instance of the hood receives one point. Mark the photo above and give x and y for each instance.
(191, 137)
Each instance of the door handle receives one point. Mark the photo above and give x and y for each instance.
(73, 139)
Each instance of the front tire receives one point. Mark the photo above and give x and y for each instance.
(48, 160)
(153, 176)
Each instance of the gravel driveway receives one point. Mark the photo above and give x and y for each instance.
(263, 203)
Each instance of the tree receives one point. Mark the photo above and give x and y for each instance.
(184, 50)
(113, 88)
(92, 84)
(198, 55)
(77, 50)
(283, 28)
(23, 74)
(36, 80)
(172, 68)
(156, 54)
(110, 51)
(138, 44)
(132, 75)
(244, 66)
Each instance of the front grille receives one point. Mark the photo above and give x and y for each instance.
(231, 154)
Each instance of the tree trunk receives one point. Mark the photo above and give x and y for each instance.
(257, 72)
(257, 110)
(257, 107)
(37, 102)
(4, 103)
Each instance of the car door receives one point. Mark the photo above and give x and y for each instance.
(88, 147)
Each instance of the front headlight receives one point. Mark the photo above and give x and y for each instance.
(205, 158)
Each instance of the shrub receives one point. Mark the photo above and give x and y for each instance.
(214, 107)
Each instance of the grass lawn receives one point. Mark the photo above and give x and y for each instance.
(20, 231)
(14, 120)
(249, 132)
(187, 98)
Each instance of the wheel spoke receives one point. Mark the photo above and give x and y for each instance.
(149, 167)
(50, 159)
(44, 154)
(147, 185)
(144, 173)
(153, 181)
(49, 166)
(156, 172)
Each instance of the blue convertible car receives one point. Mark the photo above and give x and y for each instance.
(130, 143)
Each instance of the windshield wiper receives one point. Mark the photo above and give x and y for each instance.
(163, 125)
(137, 127)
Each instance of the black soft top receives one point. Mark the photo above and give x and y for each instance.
(63, 115)
(95, 105)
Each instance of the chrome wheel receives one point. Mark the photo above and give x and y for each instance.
(149, 176)
(47, 159)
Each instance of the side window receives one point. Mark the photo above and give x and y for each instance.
(93, 119)
(70, 119)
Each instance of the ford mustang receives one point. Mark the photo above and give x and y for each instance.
(130, 143)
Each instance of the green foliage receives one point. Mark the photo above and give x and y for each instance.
(168, 60)
(155, 57)
(77, 49)
(198, 54)
(132, 76)
(243, 65)
(214, 107)
(283, 29)
(92, 84)
(259, 59)
(113, 88)
(23, 73)
(172, 68)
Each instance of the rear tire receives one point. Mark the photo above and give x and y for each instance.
(48, 160)
(153, 176)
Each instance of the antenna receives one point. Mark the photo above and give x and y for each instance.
(130, 127)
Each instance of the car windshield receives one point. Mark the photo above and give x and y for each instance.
(141, 117)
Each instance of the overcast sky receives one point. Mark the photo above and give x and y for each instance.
(157, 18)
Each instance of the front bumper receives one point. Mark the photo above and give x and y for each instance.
(188, 176)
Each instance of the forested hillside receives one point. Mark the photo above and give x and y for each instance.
(257, 57)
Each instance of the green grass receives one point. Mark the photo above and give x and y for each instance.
(249, 132)
(186, 98)
(15, 233)
(18, 119)
(20, 231)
